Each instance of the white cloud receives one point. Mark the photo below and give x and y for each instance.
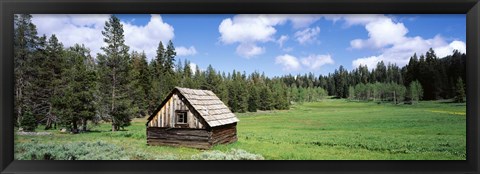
(183, 51)
(316, 61)
(382, 32)
(87, 29)
(313, 62)
(308, 35)
(249, 30)
(193, 67)
(146, 38)
(289, 63)
(357, 43)
(390, 38)
(303, 20)
(249, 50)
(370, 62)
(282, 40)
(361, 19)
(448, 49)
(75, 28)
(400, 53)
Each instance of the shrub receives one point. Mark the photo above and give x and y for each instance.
(81, 151)
(234, 154)
(28, 122)
(125, 134)
(71, 151)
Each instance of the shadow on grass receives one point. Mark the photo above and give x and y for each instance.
(448, 102)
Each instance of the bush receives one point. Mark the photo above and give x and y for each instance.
(125, 134)
(72, 151)
(234, 154)
(81, 151)
(28, 122)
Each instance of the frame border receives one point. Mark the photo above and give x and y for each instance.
(469, 7)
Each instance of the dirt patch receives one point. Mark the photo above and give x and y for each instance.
(34, 133)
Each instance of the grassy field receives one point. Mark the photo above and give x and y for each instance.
(327, 130)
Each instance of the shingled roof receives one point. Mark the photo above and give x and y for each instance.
(208, 105)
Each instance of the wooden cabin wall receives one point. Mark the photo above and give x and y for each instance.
(196, 138)
(224, 134)
(166, 116)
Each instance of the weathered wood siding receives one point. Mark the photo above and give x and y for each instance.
(196, 138)
(224, 134)
(166, 117)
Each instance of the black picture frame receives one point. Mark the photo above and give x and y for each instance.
(10, 7)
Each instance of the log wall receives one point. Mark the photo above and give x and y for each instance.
(224, 134)
(196, 138)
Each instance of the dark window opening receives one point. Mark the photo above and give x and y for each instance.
(182, 117)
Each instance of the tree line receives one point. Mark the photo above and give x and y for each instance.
(69, 87)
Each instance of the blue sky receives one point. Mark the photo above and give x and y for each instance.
(274, 44)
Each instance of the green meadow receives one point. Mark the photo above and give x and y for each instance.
(333, 129)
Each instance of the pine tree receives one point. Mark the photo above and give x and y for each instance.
(294, 93)
(253, 97)
(380, 72)
(223, 91)
(170, 78)
(114, 71)
(139, 77)
(411, 70)
(52, 82)
(28, 122)
(157, 90)
(198, 78)
(212, 80)
(159, 60)
(40, 85)
(25, 43)
(266, 99)
(169, 57)
(460, 91)
(341, 88)
(78, 103)
(240, 93)
(145, 82)
(188, 75)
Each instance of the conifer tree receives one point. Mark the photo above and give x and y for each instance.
(28, 121)
(253, 97)
(52, 82)
(157, 89)
(266, 98)
(460, 91)
(188, 75)
(169, 74)
(77, 103)
(25, 44)
(139, 82)
(114, 70)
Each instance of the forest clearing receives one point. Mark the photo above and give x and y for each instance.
(111, 100)
(332, 129)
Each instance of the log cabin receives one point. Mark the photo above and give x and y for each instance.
(191, 118)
